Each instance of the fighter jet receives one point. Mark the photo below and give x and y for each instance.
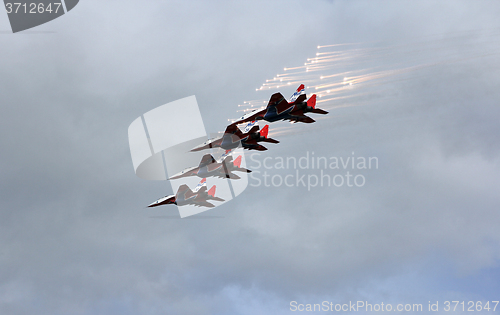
(279, 108)
(233, 136)
(222, 168)
(185, 196)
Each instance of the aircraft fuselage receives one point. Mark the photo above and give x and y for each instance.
(273, 115)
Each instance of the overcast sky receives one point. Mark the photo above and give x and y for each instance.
(76, 237)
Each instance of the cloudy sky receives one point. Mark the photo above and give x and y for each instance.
(76, 237)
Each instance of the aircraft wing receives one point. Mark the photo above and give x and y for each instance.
(276, 99)
(252, 145)
(231, 176)
(184, 190)
(319, 111)
(233, 130)
(204, 203)
(301, 118)
(206, 159)
(216, 199)
(279, 102)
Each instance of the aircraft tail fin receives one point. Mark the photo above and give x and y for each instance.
(264, 131)
(202, 183)
(311, 102)
(224, 156)
(237, 161)
(297, 93)
(250, 126)
(211, 192)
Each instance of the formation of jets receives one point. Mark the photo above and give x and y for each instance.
(278, 108)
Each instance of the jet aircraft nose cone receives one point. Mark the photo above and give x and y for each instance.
(175, 176)
(163, 201)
